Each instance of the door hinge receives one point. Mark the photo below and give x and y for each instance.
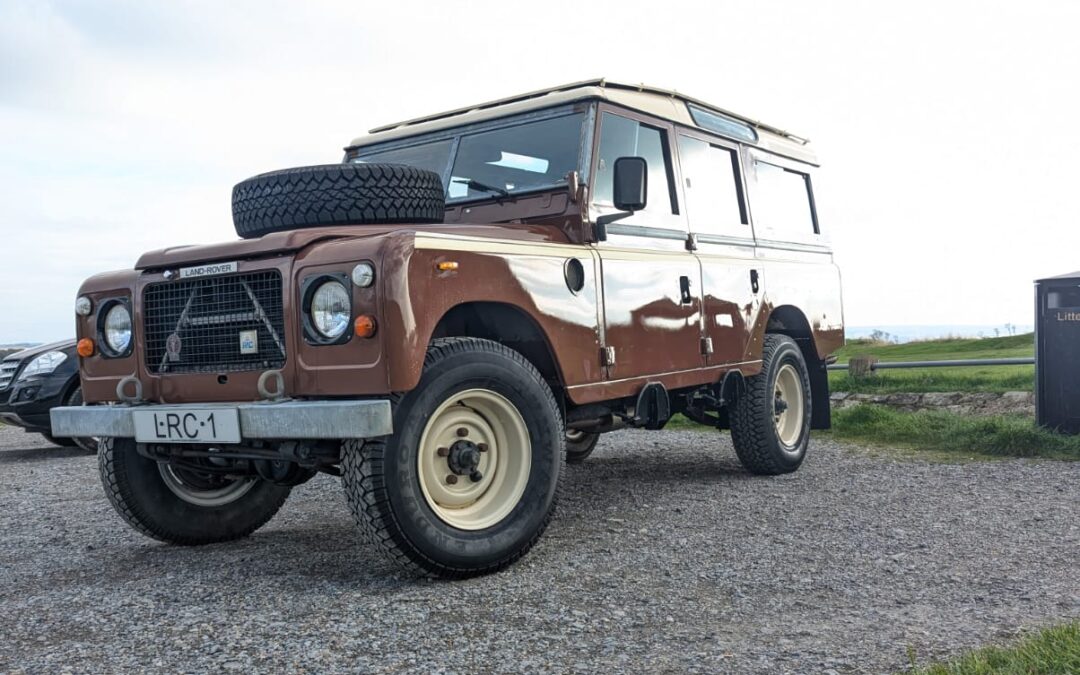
(607, 356)
(706, 346)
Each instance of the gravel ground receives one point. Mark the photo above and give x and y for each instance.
(665, 557)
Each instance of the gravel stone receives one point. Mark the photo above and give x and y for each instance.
(665, 557)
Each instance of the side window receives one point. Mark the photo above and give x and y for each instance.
(713, 200)
(622, 137)
(782, 201)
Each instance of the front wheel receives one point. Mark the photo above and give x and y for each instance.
(770, 422)
(187, 505)
(470, 478)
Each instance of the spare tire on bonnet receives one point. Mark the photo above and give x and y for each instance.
(336, 194)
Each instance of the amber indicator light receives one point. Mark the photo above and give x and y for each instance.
(364, 326)
(446, 266)
(85, 347)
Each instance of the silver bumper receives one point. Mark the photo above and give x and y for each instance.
(287, 419)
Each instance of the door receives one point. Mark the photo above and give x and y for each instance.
(731, 279)
(651, 282)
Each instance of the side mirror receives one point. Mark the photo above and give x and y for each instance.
(629, 192)
(631, 188)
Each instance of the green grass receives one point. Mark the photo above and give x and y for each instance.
(952, 434)
(1051, 651)
(964, 379)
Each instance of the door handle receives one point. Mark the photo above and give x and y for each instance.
(684, 290)
(754, 286)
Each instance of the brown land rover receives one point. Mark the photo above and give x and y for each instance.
(464, 303)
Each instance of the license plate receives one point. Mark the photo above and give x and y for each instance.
(207, 425)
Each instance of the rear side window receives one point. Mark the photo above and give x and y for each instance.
(713, 200)
(782, 201)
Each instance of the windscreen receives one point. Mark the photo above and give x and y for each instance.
(500, 161)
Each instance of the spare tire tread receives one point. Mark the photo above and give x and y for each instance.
(336, 194)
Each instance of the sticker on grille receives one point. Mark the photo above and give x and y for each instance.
(211, 324)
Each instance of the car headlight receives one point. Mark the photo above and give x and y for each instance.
(117, 328)
(363, 275)
(330, 310)
(43, 365)
(83, 306)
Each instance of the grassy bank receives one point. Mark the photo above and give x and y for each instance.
(1050, 652)
(1001, 436)
(966, 379)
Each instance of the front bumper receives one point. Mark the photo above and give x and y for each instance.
(27, 403)
(306, 420)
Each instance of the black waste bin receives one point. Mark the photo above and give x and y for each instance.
(1057, 352)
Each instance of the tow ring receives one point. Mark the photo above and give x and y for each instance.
(121, 389)
(279, 389)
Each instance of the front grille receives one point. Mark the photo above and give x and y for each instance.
(7, 373)
(198, 325)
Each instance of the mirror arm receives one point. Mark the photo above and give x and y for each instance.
(600, 226)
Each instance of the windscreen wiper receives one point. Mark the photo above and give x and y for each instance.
(474, 184)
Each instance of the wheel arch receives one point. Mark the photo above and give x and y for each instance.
(506, 324)
(791, 321)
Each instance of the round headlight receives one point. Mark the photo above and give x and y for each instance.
(363, 275)
(117, 328)
(83, 306)
(330, 311)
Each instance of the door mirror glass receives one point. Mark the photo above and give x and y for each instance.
(631, 183)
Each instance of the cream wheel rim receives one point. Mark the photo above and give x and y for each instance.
(205, 495)
(788, 405)
(474, 459)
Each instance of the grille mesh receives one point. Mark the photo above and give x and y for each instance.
(210, 318)
(7, 373)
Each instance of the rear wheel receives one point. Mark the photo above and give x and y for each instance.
(579, 445)
(187, 505)
(770, 422)
(470, 479)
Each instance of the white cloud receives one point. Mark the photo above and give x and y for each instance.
(947, 130)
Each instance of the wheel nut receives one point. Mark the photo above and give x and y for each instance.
(476, 476)
(451, 479)
(462, 432)
(443, 452)
(482, 447)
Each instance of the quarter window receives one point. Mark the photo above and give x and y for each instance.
(713, 200)
(622, 137)
(782, 200)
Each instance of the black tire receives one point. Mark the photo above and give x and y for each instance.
(336, 194)
(382, 476)
(753, 426)
(138, 492)
(579, 445)
(62, 442)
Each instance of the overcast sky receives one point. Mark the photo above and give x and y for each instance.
(949, 132)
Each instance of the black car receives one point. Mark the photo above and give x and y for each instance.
(36, 380)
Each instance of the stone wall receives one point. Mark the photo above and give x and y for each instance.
(980, 403)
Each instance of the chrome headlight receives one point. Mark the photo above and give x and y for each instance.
(330, 310)
(363, 275)
(43, 365)
(83, 306)
(117, 328)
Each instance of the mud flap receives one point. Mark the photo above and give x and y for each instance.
(653, 408)
(821, 415)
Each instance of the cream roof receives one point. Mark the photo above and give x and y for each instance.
(669, 105)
